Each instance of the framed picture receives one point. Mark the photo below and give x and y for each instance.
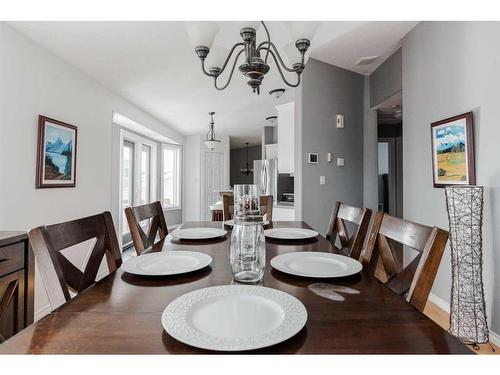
(453, 151)
(56, 154)
(312, 158)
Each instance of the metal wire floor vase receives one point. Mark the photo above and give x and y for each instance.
(465, 214)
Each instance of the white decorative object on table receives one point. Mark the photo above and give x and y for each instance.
(166, 263)
(290, 233)
(198, 233)
(234, 317)
(230, 222)
(316, 264)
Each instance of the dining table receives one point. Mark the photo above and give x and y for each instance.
(121, 313)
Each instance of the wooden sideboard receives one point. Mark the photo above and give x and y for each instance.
(17, 283)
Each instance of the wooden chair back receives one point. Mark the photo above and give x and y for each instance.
(265, 203)
(59, 275)
(416, 279)
(152, 212)
(360, 217)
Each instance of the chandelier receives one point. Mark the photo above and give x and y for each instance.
(211, 142)
(256, 58)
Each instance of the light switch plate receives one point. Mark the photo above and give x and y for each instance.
(340, 121)
(321, 180)
(340, 162)
(329, 157)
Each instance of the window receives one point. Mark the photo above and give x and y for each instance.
(171, 188)
(127, 179)
(145, 174)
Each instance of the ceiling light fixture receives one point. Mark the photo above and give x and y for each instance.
(272, 119)
(211, 142)
(246, 171)
(277, 93)
(254, 66)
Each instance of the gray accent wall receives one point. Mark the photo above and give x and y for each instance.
(370, 152)
(238, 161)
(450, 68)
(326, 91)
(386, 80)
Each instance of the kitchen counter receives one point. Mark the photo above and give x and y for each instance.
(284, 204)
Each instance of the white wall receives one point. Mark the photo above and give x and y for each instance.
(450, 68)
(33, 82)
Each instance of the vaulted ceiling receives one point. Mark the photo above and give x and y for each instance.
(153, 65)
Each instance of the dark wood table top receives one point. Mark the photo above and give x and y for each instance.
(121, 313)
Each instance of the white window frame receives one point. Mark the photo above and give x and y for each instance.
(138, 141)
(177, 173)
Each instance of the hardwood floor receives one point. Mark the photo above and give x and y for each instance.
(441, 317)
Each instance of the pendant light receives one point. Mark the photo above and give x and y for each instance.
(247, 171)
(211, 142)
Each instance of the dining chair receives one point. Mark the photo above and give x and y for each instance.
(153, 212)
(59, 275)
(360, 217)
(265, 206)
(415, 280)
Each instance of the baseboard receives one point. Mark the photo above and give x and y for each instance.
(42, 312)
(441, 303)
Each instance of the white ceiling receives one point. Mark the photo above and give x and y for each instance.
(153, 65)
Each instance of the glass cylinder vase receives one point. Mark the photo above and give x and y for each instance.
(247, 251)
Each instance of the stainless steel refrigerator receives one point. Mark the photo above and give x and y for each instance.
(265, 176)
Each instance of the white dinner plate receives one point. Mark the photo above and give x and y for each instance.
(198, 233)
(290, 233)
(166, 263)
(231, 222)
(316, 264)
(234, 317)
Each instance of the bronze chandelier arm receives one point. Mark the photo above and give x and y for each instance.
(215, 75)
(271, 44)
(230, 74)
(281, 71)
(268, 39)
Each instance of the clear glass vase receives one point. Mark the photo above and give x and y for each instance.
(247, 251)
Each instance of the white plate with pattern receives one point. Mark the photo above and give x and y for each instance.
(166, 263)
(234, 317)
(290, 233)
(230, 223)
(316, 264)
(198, 233)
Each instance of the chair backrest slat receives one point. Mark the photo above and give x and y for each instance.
(265, 206)
(360, 217)
(57, 272)
(157, 225)
(416, 279)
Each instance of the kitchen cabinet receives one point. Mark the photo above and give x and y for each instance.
(286, 139)
(283, 213)
(16, 283)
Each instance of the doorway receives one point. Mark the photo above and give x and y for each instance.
(213, 173)
(390, 156)
(138, 176)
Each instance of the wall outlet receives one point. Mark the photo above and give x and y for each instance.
(340, 121)
(321, 180)
(340, 162)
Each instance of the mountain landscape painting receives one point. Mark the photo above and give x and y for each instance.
(451, 154)
(57, 149)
